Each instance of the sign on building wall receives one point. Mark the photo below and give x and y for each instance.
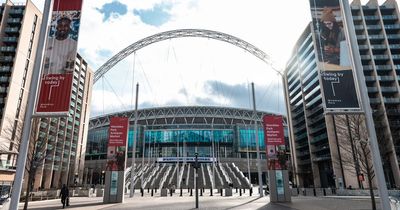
(334, 60)
(116, 150)
(59, 58)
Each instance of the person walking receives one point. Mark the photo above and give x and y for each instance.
(64, 194)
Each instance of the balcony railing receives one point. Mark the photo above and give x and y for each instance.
(391, 100)
(389, 89)
(318, 138)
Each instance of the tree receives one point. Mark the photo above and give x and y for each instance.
(37, 152)
(354, 148)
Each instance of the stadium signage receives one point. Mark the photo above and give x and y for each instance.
(186, 159)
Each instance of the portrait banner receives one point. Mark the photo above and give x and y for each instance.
(59, 59)
(273, 130)
(334, 60)
(117, 138)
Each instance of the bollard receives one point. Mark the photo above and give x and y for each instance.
(148, 190)
(240, 191)
(211, 192)
(244, 190)
(191, 192)
(170, 192)
(181, 192)
(188, 190)
(251, 191)
(155, 190)
(236, 189)
(141, 191)
(203, 189)
(315, 193)
(324, 192)
(221, 192)
(201, 192)
(152, 192)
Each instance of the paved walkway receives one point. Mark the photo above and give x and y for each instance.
(187, 202)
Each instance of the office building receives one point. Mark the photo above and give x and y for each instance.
(318, 156)
(65, 137)
(19, 33)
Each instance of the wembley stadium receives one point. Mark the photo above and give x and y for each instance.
(169, 137)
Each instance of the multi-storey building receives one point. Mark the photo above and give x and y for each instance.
(19, 33)
(65, 137)
(317, 155)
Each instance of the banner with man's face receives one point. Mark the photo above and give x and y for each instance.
(334, 60)
(59, 58)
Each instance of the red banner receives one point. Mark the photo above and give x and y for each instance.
(52, 85)
(117, 137)
(118, 131)
(64, 5)
(59, 58)
(273, 130)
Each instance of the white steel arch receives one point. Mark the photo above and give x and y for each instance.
(178, 34)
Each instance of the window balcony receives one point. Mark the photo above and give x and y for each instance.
(393, 36)
(374, 27)
(300, 146)
(6, 58)
(383, 67)
(392, 26)
(376, 36)
(322, 158)
(389, 89)
(5, 68)
(12, 21)
(374, 100)
(10, 39)
(318, 128)
(12, 30)
(4, 79)
(391, 100)
(7, 49)
(16, 12)
(319, 138)
(372, 89)
(302, 154)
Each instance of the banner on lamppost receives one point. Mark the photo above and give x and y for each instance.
(334, 60)
(117, 137)
(59, 59)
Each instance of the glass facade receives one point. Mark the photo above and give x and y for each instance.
(232, 142)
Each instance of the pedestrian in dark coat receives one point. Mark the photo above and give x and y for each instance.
(64, 194)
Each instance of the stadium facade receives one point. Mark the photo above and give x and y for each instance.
(319, 156)
(181, 132)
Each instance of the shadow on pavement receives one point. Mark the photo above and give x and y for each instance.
(275, 206)
(72, 206)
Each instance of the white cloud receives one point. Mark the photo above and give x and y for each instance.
(166, 68)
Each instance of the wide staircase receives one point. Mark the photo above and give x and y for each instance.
(182, 175)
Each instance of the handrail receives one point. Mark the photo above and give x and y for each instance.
(210, 175)
(227, 178)
(204, 177)
(233, 174)
(164, 177)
